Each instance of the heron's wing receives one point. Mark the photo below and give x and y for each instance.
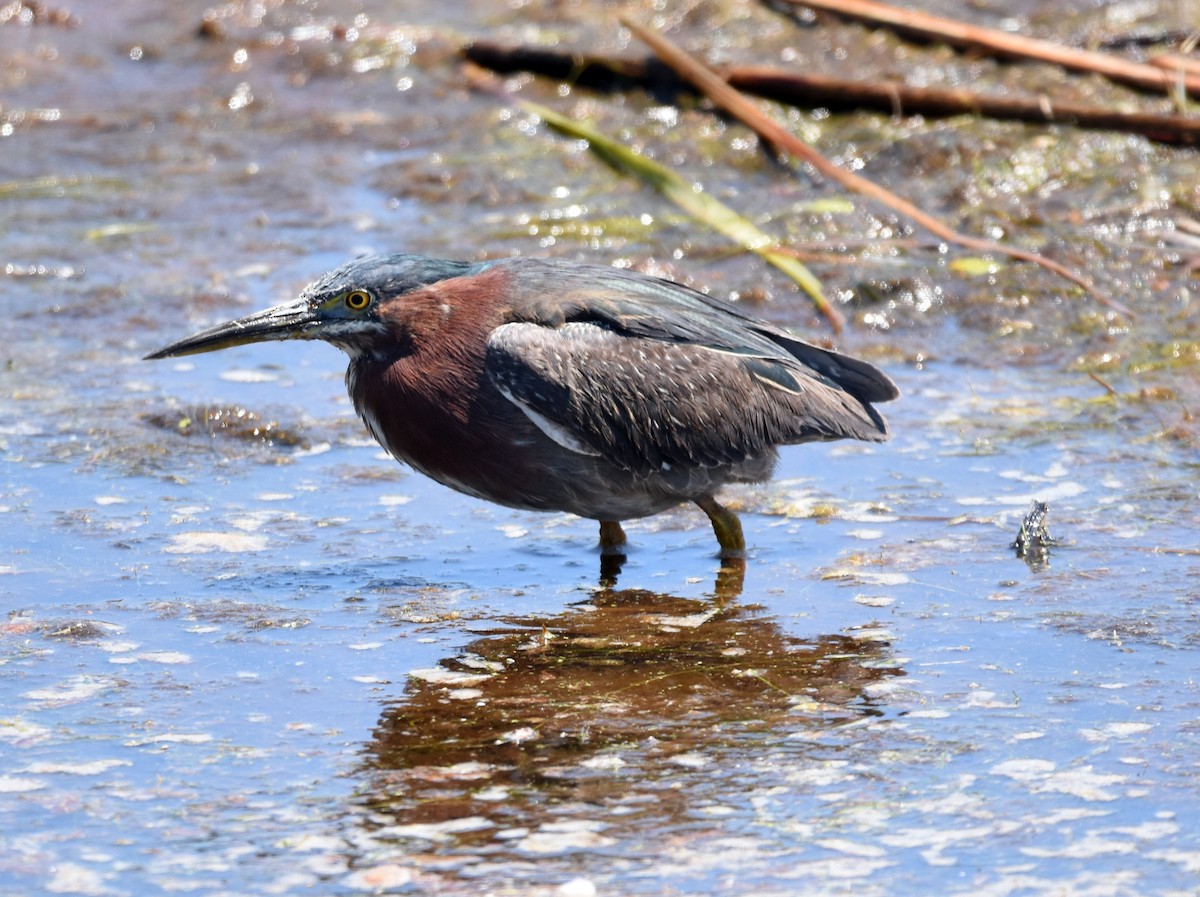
(648, 403)
(557, 292)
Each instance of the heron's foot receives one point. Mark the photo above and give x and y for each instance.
(726, 525)
(612, 538)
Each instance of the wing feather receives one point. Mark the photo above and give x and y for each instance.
(649, 403)
(557, 291)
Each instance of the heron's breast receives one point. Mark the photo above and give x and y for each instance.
(454, 427)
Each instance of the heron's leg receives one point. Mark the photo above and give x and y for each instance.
(726, 525)
(612, 537)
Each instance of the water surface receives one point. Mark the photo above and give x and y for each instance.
(276, 662)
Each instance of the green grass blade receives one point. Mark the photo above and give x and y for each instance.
(694, 201)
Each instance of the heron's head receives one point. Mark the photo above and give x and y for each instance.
(343, 307)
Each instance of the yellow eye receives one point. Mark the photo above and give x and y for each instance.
(357, 300)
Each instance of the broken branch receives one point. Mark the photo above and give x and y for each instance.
(812, 90)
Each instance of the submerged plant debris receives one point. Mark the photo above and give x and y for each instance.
(228, 422)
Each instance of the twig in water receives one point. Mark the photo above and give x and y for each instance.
(1107, 386)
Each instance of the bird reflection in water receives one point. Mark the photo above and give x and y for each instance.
(608, 705)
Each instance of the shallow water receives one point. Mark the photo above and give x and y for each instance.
(276, 662)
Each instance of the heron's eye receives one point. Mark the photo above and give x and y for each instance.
(357, 300)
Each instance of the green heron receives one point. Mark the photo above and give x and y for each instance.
(553, 386)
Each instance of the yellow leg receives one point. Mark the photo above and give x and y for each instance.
(612, 537)
(726, 525)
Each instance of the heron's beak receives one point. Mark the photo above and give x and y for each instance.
(292, 320)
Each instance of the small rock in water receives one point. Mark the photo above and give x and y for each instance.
(1033, 539)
